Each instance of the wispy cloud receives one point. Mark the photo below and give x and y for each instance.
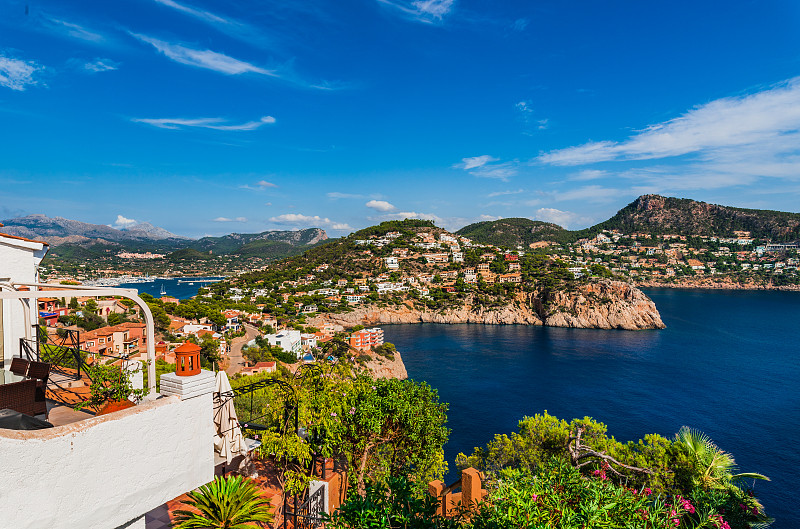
(401, 215)
(484, 166)
(226, 219)
(565, 219)
(588, 174)
(380, 205)
(309, 221)
(210, 60)
(101, 65)
(426, 11)
(73, 30)
(17, 74)
(475, 161)
(766, 119)
(205, 123)
(336, 195)
(263, 184)
(526, 116)
(206, 16)
(123, 222)
(520, 24)
(502, 193)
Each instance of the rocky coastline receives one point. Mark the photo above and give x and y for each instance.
(598, 305)
(721, 284)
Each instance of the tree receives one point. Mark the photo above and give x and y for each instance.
(391, 427)
(225, 503)
(712, 467)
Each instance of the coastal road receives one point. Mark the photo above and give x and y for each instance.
(235, 356)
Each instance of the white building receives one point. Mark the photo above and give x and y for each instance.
(392, 263)
(288, 340)
(19, 261)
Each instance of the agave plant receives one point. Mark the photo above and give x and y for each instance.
(715, 466)
(225, 503)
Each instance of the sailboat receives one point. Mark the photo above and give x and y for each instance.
(163, 290)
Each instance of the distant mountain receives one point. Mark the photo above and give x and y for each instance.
(652, 214)
(58, 230)
(264, 244)
(656, 214)
(510, 233)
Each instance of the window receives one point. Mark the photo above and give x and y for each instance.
(102, 340)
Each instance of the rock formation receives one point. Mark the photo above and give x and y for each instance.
(600, 305)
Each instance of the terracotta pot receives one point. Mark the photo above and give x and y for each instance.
(116, 405)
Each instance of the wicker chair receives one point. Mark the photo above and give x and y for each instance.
(19, 396)
(41, 372)
(19, 366)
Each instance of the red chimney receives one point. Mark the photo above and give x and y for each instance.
(187, 359)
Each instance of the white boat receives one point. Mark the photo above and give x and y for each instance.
(163, 291)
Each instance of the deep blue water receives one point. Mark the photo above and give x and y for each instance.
(182, 290)
(727, 364)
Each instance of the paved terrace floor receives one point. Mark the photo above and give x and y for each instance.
(265, 478)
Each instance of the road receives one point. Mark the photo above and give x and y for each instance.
(235, 356)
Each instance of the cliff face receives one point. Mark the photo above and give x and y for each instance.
(384, 368)
(602, 305)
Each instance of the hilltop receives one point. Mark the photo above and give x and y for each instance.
(650, 214)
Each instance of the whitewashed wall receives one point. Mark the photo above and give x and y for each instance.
(19, 260)
(107, 471)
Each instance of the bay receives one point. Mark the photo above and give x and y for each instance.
(179, 288)
(727, 364)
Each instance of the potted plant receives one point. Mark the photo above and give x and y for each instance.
(111, 389)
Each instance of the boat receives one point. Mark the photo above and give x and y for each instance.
(163, 290)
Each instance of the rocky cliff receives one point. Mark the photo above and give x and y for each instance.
(385, 368)
(601, 305)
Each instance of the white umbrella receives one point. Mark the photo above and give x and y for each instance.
(228, 441)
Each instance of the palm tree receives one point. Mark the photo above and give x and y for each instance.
(225, 503)
(714, 466)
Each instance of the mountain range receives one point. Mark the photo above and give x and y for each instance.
(653, 214)
(75, 239)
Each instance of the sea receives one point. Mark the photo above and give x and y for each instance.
(179, 288)
(728, 364)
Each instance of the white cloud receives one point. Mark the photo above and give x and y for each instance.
(588, 174)
(484, 167)
(309, 221)
(475, 161)
(226, 219)
(502, 193)
(400, 215)
(380, 205)
(264, 184)
(501, 171)
(206, 123)
(17, 74)
(520, 24)
(564, 219)
(206, 16)
(337, 194)
(123, 222)
(100, 65)
(489, 217)
(526, 115)
(73, 30)
(207, 59)
(427, 11)
(767, 120)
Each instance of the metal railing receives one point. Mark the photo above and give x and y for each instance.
(309, 514)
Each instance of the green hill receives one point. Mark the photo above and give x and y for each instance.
(653, 214)
(510, 233)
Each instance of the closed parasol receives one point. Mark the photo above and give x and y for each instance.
(228, 440)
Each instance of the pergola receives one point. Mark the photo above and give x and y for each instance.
(10, 290)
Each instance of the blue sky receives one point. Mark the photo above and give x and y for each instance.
(209, 118)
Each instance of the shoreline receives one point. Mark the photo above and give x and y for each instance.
(717, 286)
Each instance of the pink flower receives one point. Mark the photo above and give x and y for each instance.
(534, 497)
(333, 414)
(755, 510)
(352, 411)
(647, 491)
